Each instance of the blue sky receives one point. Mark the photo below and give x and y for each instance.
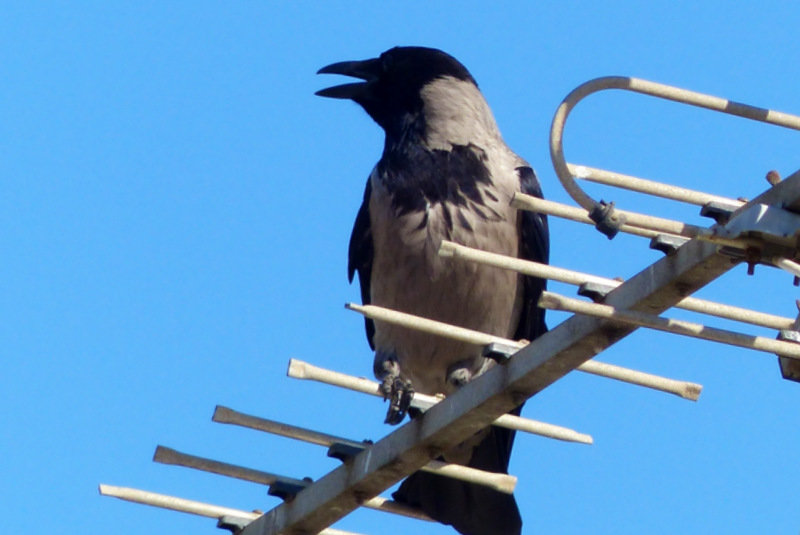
(175, 206)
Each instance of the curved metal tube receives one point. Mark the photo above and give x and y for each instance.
(603, 214)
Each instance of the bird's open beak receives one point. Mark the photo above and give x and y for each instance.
(366, 70)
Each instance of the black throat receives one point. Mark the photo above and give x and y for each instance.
(417, 177)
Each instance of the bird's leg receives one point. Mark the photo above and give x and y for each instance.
(395, 389)
(401, 393)
(460, 373)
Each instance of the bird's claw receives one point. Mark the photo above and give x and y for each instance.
(399, 393)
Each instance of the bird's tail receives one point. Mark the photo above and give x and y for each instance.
(471, 509)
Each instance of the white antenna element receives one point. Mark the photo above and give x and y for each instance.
(500, 482)
(546, 271)
(303, 370)
(650, 187)
(554, 301)
(684, 389)
(176, 504)
(522, 201)
(170, 456)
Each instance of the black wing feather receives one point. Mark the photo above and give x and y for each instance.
(360, 256)
(534, 245)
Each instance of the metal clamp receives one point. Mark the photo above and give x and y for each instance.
(285, 490)
(344, 451)
(234, 524)
(790, 368)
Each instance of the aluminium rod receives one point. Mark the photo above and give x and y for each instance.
(379, 503)
(636, 223)
(653, 89)
(173, 457)
(500, 482)
(740, 314)
(642, 185)
(686, 390)
(786, 265)
(523, 201)
(193, 507)
(568, 276)
(449, 249)
(554, 301)
(174, 503)
(652, 225)
(299, 369)
(225, 415)
(165, 455)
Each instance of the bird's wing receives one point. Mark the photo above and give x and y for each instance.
(534, 245)
(360, 256)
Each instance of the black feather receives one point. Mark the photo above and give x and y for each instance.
(471, 509)
(534, 245)
(360, 257)
(416, 177)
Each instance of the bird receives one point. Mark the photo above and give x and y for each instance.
(445, 173)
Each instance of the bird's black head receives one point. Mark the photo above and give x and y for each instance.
(392, 82)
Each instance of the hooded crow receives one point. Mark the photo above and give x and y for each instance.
(445, 174)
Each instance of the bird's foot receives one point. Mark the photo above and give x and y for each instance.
(459, 374)
(399, 393)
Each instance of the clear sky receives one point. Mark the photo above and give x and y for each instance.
(175, 205)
